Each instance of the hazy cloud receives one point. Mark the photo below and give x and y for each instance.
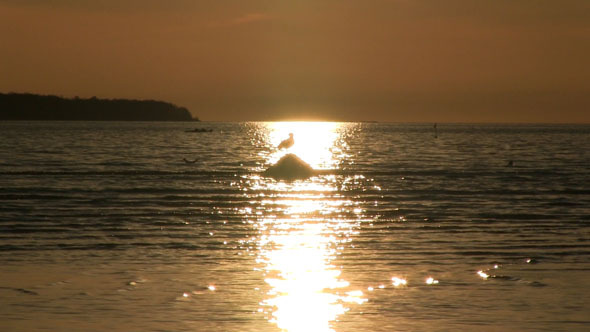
(103, 4)
(242, 20)
(249, 18)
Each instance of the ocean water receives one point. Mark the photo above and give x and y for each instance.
(104, 227)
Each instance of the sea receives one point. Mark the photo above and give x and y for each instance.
(153, 226)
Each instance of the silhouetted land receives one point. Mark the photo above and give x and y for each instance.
(25, 106)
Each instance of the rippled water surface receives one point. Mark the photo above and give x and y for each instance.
(104, 226)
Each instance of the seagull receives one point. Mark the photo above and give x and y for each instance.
(287, 143)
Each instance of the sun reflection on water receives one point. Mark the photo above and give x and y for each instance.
(301, 233)
(304, 285)
(314, 141)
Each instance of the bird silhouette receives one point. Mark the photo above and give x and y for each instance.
(287, 143)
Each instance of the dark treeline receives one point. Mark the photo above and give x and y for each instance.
(25, 106)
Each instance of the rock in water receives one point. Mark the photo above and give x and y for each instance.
(290, 167)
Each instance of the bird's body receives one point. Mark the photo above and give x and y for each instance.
(287, 143)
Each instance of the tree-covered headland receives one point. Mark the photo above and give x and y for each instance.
(26, 106)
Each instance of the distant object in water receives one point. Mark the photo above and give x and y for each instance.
(510, 163)
(290, 167)
(435, 131)
(199, 130)
(190, 161)
(287, 143)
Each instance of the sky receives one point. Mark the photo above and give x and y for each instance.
(340, 60)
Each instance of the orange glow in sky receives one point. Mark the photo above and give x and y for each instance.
(419, 61)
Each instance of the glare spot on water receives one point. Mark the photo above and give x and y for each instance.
(431, 281)
(355, 296)
(396, 281)
(211, 288)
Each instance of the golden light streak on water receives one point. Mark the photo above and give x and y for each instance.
(298, 247)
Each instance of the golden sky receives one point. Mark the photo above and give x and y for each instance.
(350, 60)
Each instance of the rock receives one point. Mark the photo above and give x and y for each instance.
(290, 167)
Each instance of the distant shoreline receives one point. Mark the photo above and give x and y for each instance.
(33, 107)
